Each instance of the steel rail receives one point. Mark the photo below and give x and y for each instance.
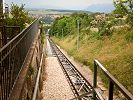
(87, 87)
(78, 88)
(69, 80)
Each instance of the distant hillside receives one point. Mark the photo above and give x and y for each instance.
(54, 11)
(71, 11)
(101, 8)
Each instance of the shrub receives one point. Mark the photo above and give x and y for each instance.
(129, 37)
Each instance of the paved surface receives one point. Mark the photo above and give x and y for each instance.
(55, 87)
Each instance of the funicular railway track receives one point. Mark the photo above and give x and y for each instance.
(80, 87)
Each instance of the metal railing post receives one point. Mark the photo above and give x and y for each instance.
(111, 88)
(62, 33)
(112, 82)
(94, 80)
(4, 36)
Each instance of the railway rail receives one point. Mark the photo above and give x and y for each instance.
(80, 87)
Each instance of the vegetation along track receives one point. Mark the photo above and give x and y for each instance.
(81, 88)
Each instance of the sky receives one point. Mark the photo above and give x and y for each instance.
(65, 4)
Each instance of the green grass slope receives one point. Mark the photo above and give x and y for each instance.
(115, 52)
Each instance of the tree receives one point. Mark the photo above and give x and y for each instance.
(125, 7)
(19, 15)
(69, 24)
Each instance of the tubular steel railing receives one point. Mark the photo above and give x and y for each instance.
(12, 56)
(8, 33)
(112, 82)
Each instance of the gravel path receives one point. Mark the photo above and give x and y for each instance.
(48, 49)
(55, 87)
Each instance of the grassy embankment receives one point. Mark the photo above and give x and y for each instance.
(115, 52)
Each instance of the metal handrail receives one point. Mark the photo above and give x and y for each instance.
(112, 82)
(38, 77)
(12, 56)
(25, 30)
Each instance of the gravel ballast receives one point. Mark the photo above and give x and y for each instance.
(55, 87)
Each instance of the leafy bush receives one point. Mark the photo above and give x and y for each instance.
(96, 35)
(30, 72)
(106, 30)
(124, 8)
(42, 38)
(129, 37)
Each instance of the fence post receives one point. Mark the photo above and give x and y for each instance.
(111, 88)
(78, 28)
(4, 36)
(62, 32)
(94, 80)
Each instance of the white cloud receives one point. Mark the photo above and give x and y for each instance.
(101, 2)
(64, 4)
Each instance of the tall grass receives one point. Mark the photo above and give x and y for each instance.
(115, 52)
